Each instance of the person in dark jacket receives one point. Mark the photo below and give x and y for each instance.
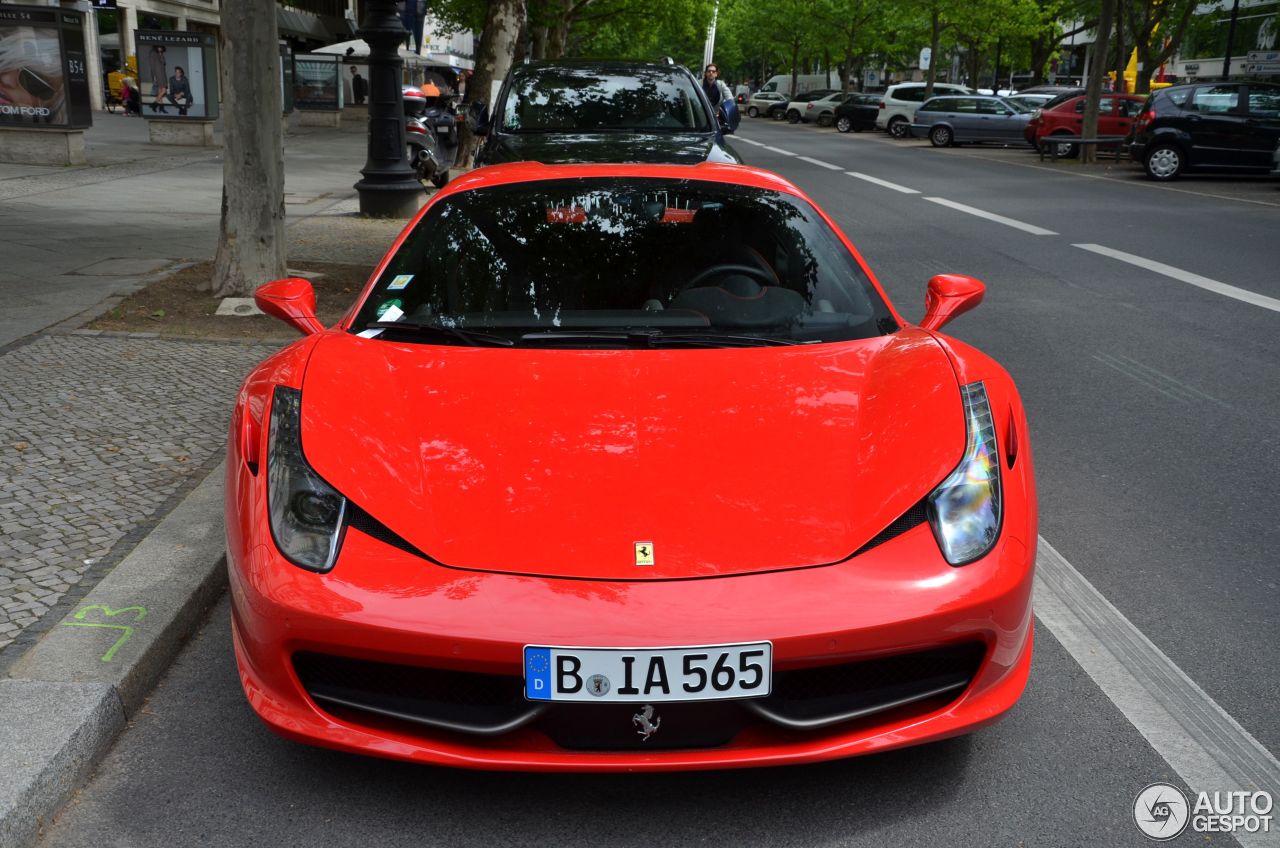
(359, 88)
(179, 93)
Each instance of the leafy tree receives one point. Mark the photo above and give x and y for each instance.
(855, 29)
(1157, 27)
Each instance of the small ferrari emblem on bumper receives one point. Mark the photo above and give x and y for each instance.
(644, 553)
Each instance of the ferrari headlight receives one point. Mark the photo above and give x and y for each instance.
(306, 512)
(964, 510)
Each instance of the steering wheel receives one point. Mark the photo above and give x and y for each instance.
(765, 278)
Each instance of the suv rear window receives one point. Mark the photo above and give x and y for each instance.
(561, 99)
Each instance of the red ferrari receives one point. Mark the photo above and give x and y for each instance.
(628, 467)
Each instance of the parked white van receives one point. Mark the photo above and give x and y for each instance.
(781, 83)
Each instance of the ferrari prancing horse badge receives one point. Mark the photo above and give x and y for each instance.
(644, 553)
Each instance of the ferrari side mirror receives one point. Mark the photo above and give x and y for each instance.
(948, 297)
(291, 300)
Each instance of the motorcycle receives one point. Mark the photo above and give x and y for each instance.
(431, 134)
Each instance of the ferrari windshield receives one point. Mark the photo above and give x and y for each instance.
(609, 262)
(573, 99)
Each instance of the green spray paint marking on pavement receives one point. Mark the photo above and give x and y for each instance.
(139, 613)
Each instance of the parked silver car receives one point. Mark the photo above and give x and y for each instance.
(766, 103)
(961, 119)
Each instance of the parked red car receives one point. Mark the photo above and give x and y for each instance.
(1115, 116)
(628, 468)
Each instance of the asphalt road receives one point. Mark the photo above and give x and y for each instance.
(1152, 402)
(1152, 410)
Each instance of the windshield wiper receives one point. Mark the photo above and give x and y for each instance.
(661, 339)
(658, 338)
(474, 338)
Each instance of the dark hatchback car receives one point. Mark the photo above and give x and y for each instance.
(857, 113)
(602, 111)
(1227, 125)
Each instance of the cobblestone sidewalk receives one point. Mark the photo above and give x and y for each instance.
(97, 434)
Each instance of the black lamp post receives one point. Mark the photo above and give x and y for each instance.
(389, 188)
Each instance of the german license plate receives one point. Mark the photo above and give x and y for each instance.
(643, 675)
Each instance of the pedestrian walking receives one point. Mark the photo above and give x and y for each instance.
(131, 97)
(717, 91)
(359, 88)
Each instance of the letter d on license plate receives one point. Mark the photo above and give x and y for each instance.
(645, 675)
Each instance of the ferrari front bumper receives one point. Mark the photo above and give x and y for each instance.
(383, 606)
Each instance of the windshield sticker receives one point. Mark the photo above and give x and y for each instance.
(390, 310)
(399, 282)
(566, 215)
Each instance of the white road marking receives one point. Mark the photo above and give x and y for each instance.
(991, 216)
(881, 182)
(749, 141)
(1204, 745)
(1186, 277)
(819, 163)
(778, 150)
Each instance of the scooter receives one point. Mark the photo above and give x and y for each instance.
(425, 154)
(431, 133)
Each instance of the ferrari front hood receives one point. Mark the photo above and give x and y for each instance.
(576, 463)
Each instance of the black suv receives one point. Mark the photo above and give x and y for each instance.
(1232, 125)
(602, 111)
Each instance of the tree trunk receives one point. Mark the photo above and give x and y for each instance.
(1089, 126)
(251, 246)
(558, 41)
(493, 60)
(932, 75)
(1122, 53)
(795, 68)
(540, 37)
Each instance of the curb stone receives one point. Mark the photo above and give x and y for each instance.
(65, 701)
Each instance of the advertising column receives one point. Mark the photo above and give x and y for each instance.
(44, 85)
(178, 76)
(317, 90)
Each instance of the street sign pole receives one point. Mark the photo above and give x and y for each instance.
(1231, 39)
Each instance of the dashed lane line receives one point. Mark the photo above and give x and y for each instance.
(1205, 283)
(1185, 276)
(1197, 738)
(880, 182)
(820, 163)
(749, 141)
(991, 216)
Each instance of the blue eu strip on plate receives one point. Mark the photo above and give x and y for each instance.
(537, 674)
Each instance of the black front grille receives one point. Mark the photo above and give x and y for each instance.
(805, 700)
(823, 694)
(615, 727)
(455, 700)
